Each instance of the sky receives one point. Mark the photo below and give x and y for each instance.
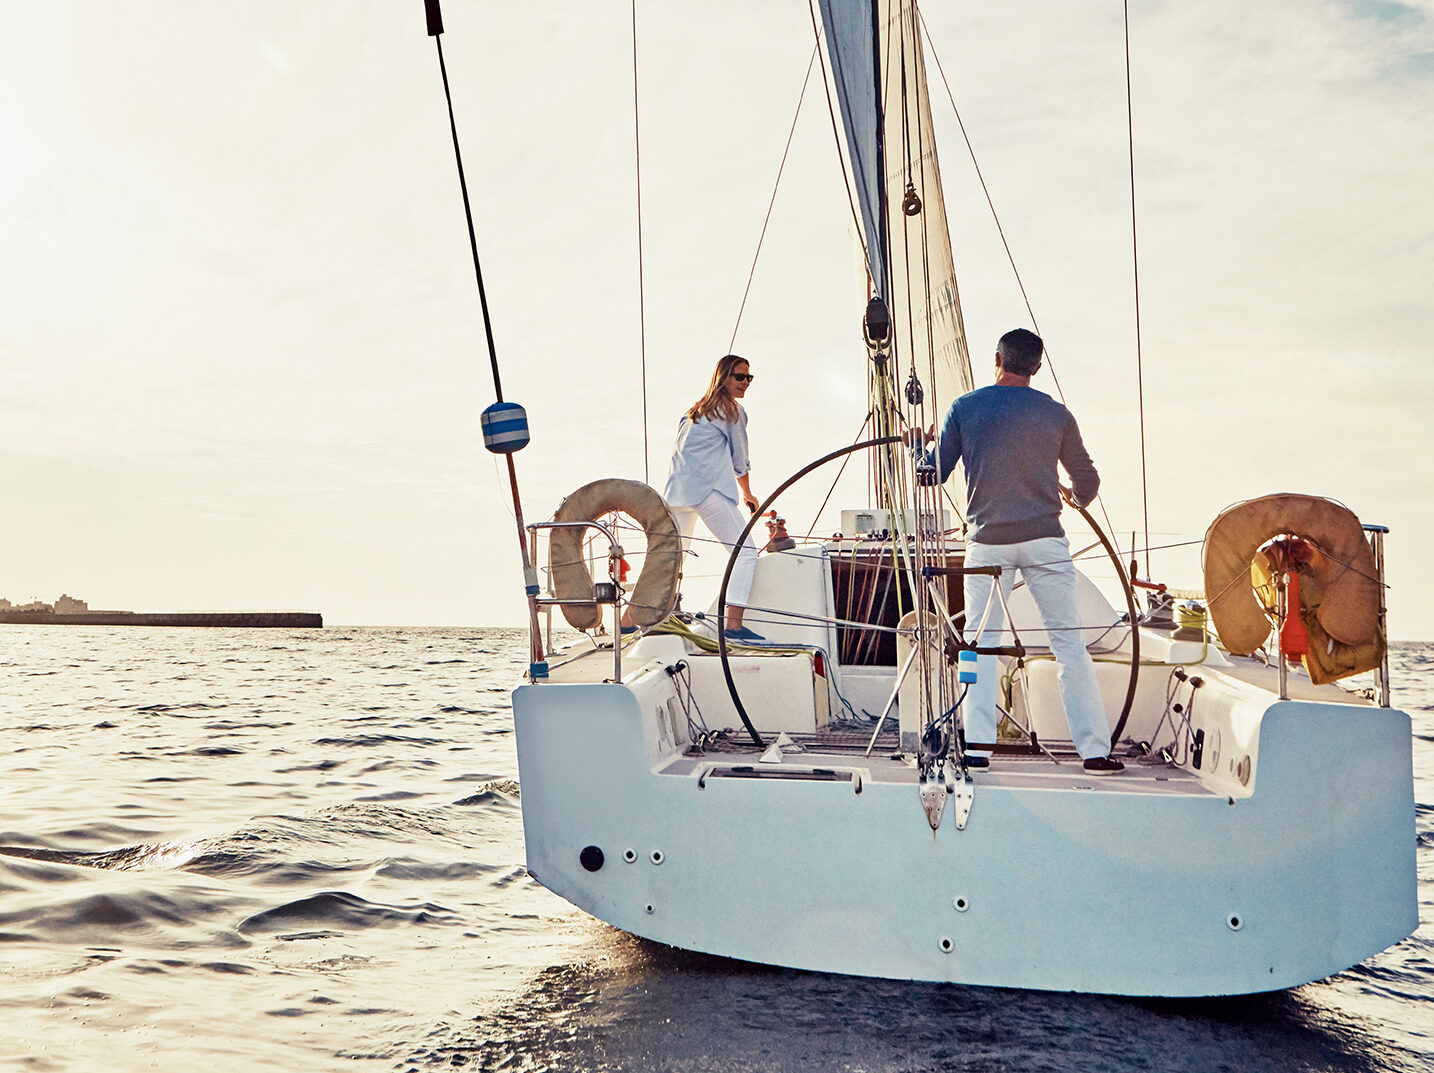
(243, 359)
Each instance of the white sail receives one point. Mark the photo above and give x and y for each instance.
(880, 78)
(923, 298)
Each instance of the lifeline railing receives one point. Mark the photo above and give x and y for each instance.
(604, 592)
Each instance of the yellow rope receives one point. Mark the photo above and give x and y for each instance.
(1190, 616)
(675, 626)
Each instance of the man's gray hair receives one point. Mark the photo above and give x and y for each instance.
(1020, 352)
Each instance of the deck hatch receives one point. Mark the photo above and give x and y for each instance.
(749, 771)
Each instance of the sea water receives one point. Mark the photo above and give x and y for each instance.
(260, 849)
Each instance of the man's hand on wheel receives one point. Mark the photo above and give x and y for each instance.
(915, 437)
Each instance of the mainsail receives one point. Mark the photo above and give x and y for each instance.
(880, 77)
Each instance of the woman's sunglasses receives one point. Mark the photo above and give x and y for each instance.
(744, 377)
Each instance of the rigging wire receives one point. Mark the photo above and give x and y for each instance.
(915, 106)
(641, 288)
(1020, 283)
(472, 234)
(1135, 269)
(435, 30)
(818, 516)
(732, 346)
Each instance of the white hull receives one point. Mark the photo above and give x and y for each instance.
(1279, 852)
(1069, 883)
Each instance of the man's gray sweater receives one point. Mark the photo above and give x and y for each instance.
(1009, 439)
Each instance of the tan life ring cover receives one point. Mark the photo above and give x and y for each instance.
(1349, 611)
(655, 594)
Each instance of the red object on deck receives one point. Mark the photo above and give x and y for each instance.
(1294, 638)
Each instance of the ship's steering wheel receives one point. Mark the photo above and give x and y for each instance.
(882, 441)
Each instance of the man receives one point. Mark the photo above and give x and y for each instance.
(1010, 438)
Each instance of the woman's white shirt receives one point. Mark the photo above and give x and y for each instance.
(709, 456)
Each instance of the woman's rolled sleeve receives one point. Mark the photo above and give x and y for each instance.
(741, 464)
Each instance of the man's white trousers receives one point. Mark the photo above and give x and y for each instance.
(1046, 568)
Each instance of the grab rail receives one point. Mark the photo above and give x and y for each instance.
(605, 592)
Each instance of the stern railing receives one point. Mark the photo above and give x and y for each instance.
(604, 592)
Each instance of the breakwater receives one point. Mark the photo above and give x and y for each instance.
(232, 619)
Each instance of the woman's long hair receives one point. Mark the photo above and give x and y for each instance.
(716, 400)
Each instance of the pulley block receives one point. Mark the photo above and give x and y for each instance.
(911, 203)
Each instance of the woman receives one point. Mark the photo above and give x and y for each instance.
(709, 465)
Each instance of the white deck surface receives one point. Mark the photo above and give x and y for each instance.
(1009, 771)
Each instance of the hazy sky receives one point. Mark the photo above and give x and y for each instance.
(240, 342)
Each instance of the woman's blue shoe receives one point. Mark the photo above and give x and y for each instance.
(743, 635)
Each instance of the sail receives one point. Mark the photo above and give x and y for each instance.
(880, 78)
(924, 301)
(851, 31)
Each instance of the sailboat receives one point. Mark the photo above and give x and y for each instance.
(784, 804)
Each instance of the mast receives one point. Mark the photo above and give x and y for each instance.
(913, 326)
(884, 414)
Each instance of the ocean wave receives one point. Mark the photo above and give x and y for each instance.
(337, 908)
(157, 855)
(270, 869)
(374, 741)
(500, 792)
(137, 917)
(408, 868)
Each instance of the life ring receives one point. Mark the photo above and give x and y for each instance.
(1349, 598)
(655, 595)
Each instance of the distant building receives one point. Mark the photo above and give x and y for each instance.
(65, 605)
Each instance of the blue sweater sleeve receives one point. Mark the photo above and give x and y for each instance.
(1085, 481)
(947, 451)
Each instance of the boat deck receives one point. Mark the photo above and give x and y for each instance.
(1263, 676)
(843, 751)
